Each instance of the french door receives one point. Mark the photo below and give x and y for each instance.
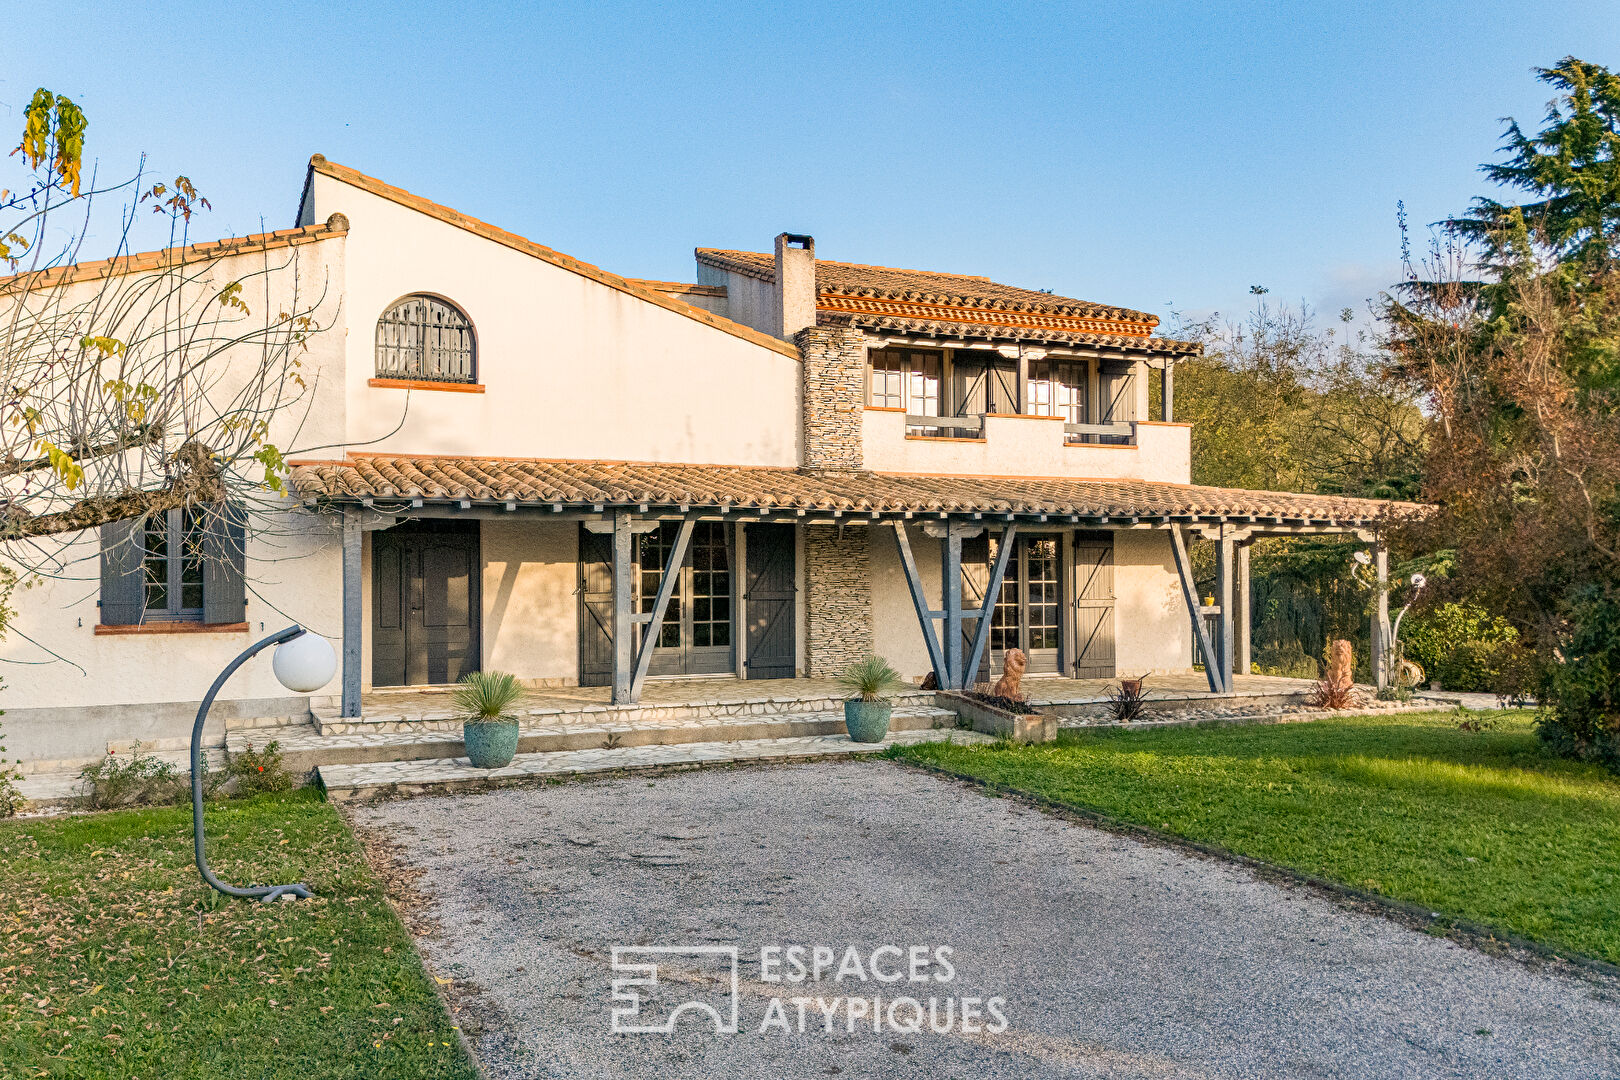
(1029, 609)
(696, 635)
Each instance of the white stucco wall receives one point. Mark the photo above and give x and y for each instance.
(68, 692)
(572, 368)
(1026, 446)
(531, 613)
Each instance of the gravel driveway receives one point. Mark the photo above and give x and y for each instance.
(1111, 958)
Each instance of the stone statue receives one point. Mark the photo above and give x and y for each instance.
(1012, 673)
(1341, 664)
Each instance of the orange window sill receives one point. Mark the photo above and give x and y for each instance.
(412, 384)
(939, 438)
(883, 408)
(175, 628)
(1099, 446)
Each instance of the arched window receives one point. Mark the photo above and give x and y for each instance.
(423, 338)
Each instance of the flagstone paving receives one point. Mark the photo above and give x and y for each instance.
(381, 779)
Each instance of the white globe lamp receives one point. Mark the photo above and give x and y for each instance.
(304, 664)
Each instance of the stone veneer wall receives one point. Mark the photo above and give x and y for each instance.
(834, 363)
(838, 608)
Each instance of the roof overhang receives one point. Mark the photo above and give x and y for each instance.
(413, 486)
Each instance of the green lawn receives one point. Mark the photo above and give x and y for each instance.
(1479, 826)
(116, 961)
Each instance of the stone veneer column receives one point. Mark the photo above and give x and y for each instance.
(838, 607)
(834, 381)
(838, 566)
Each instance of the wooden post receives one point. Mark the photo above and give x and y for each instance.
(950, 593)
(1189, 594)
(623, 596)
(1380, 626)
(998, 574)
(1244, 615)
(352, 616)
(919, 601)
(1224, 597)
(1023, 382)
(1167, 400)
(653, 621)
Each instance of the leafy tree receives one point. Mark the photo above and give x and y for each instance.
(1510, 328)
(131, 389)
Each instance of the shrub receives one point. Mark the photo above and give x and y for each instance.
(257, 771)
(11, 800)
(132, 779)
(1128, 700)
(1581, 691)
(1462, 645)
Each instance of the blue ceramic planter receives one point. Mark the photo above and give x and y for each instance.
(490, 746)
(867, 721)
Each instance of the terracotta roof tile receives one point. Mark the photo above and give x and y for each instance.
(588, 483)
(143, 261)
(956, 305)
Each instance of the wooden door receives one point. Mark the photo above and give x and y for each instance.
(1094, 606)
(770, 592)
(426, 603)
(595, 608)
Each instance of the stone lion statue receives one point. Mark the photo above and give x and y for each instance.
(1012, 673)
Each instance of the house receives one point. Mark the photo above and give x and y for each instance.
(523, 461)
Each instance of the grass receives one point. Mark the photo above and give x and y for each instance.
(116, 961)
(1478, 826)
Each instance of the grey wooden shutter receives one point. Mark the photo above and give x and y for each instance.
(1094, 606)
(123, 588)
(224, 563)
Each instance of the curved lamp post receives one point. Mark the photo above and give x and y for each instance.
(304, 662)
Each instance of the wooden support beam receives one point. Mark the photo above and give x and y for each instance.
(998, 573)
(1167, 400)
(352, 616)
(623, 561)
(1225, 572)
(1243, 616)
(655, 618)
(950, 592)
(1380, 627)
(919, 601)
(1189, 593)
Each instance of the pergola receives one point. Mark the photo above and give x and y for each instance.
(622, 500)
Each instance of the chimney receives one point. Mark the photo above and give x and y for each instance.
(795, 283)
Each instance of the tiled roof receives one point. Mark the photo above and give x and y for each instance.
(355, 178)
(592, 483)
(956, 305)
(141, 262)
(957, 290)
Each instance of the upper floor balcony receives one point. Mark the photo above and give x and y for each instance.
(979, 412)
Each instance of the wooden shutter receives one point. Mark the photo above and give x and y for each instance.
(123, 588)
(1003, 388)
(224, 544)
(1094, 606)
(970, 391)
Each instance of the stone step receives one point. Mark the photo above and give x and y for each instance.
(406, 712)
(304, 747)
(386, 779)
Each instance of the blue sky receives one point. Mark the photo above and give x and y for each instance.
(1153, 156)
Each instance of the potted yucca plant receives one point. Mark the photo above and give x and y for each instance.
(866, 716)
(483, 700)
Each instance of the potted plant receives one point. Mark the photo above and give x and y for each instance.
(866, 717)
(483, 700)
